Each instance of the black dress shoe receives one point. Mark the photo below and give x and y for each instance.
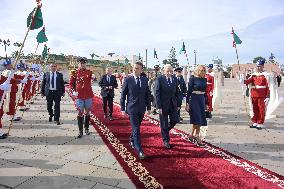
(131, 144)
(17, 119)
(80, 134)
(57, 122)
(50, 119)
(3, 136)
(141, 155)
(87, 132)
(110, 118)
(167, 145)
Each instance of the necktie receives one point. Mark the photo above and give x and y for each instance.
(52, 80)
(108, 79)
(169, 81)
(138, 82)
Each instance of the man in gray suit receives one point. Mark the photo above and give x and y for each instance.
(53, 89)
(166, 94)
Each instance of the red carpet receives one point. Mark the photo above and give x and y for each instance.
(183, 166)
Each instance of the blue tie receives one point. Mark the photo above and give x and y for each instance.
(169, 81)
(52, 80)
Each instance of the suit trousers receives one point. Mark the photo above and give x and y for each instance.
(53, 96)
(166, 125)
(108, 101)
(135, 121)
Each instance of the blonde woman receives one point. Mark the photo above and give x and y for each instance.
(196, 102)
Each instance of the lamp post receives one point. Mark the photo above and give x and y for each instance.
(195, 57)
(5, 43)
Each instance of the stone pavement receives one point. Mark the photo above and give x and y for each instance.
(39, 154)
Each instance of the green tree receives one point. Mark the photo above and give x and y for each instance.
(172, 60)
(258, 58)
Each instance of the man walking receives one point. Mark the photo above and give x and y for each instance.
(81, 84)
(136, 90)
(166, 98)
(108, 83)
(53, 89)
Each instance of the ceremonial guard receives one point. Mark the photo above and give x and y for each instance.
(11, 97)
(209, 88)
(259, 94)
(181, 89)
(81, 84)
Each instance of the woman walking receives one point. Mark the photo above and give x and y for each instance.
(196, 102)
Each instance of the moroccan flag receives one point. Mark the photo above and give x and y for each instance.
(41, 37)
(182, 48)
(44, 53)
(237, 40)
(35, 22)
(155, 54)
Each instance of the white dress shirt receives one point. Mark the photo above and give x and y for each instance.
(50, 85)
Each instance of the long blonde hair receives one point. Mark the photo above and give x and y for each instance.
(198, 70)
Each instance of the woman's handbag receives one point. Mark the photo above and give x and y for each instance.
(208, 114)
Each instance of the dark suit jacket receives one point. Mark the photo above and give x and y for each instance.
(166, 96)
(181, 88)
(46, 84)
(104, 83)
(137, 98)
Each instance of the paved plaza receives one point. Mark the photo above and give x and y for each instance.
(40, 154)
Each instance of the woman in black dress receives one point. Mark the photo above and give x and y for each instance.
(196, 101)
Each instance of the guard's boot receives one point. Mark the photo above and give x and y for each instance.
(87, 123)
(80, 126)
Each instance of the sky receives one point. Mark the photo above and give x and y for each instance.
(128, 27)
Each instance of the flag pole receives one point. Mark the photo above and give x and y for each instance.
(29, 28)
(237, 55)
(18, 57)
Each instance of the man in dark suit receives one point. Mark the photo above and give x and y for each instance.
(166, 94)
(108, 83)
(138, 94)
(181, 89)
(53, 89)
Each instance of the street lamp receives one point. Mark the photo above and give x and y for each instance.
(5, 43)
(195, 57)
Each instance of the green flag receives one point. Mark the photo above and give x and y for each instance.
(41, 37)
(237, 39)
(155, 54)
(182, 48)
(44, 53)
(36, 22)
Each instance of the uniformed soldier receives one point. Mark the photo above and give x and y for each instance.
(81, 84)
(181, 88)
(259, 94)
(209, 87)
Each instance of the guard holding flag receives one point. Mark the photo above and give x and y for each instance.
(259, 94)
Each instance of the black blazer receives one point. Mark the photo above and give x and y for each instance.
(46, 84)
(166, 96)
(138, 98)
(104, 83)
